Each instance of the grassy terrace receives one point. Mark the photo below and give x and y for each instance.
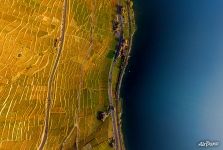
(29, 30)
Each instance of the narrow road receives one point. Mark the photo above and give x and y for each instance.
(52, 76)
(113, 115)
(116, 127)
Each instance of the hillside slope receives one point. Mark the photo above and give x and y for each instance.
(30, 38)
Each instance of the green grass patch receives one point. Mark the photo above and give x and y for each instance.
(111, 54)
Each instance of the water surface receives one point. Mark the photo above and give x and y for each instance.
(173, 94)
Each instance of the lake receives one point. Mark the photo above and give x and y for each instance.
(173, 87)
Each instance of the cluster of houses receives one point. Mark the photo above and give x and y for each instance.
(124, 47)
(116, 24)
(118, 32)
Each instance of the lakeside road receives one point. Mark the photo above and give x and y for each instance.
(52, 76)
(111, 103)
(114, 116)
(117, 135)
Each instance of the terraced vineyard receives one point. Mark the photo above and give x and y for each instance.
(30, 40)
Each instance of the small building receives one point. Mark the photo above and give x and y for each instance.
(55, 42)
(102, 115)
(112, 142)
(119, 9)
(124, 47)
(115, 25)
(110, 109)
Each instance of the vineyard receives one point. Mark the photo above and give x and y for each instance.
(30, 32)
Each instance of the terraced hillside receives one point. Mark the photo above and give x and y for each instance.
(50, 100)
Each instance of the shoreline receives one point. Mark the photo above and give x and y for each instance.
(123, 72)
(123, 66)
(130, 38)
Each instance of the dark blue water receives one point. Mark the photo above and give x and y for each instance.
(173, 94)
